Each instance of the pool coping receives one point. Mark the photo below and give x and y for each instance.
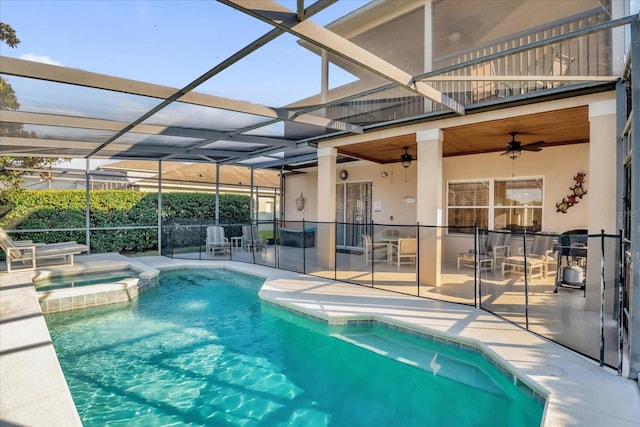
(579, 392)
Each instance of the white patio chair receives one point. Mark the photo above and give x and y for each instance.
(375, 251)
(252, 239)
(405, 251)
(216, 241)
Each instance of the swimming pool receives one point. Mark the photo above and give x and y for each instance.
(201, 349)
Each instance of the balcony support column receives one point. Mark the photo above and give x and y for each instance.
(601, 196)
(326, 207)
(429, 204)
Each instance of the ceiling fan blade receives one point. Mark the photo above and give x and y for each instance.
(534, 146)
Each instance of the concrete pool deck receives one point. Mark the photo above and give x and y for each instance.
(33, 390)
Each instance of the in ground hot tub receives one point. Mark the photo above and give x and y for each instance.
(91, 288)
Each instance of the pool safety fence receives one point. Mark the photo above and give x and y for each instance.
(569, 287)
(562, 286)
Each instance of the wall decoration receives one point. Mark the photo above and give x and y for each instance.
(572, 199)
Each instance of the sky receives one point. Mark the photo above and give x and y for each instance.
(170, 43)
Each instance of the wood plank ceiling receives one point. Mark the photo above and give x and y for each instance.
(561, 127)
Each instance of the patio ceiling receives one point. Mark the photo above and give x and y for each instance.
(568, 126)
(69, 112)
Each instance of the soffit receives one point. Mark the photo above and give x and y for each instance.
(560, 127)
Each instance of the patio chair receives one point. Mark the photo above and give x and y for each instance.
(482, 89)
(487, 89)
(375, 251)
(559, 67)
(216, 241)
(405, 251)
(28, 252)
(251, 239)
(539, 257)
(492, 246)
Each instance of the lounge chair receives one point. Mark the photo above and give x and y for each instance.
(375, 251)
(539, 257)
(251, 239)
(405, 251)
(28, 252)
(216, 241)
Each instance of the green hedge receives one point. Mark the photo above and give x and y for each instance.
(35, 209)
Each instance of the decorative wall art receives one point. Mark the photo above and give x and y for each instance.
(572, 199)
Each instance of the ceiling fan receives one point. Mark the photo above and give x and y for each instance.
(515, 148)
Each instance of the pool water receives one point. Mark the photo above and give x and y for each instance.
(202, 349)
(87, 279)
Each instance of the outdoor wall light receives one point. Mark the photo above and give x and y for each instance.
(300, 202)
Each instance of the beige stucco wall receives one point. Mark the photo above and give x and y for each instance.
(388, 190)
(557, 165)
(307, 184)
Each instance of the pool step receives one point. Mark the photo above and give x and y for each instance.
(437, 363)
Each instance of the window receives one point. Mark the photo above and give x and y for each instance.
(468, 204)
(518, 204)
(499, 204)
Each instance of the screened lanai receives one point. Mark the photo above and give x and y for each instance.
(316, 81)
(267, 84)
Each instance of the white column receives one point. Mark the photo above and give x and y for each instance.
(429, 204)
(601, 192)
(326, 205)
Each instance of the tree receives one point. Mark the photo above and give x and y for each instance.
(8, 35)
(12, 168)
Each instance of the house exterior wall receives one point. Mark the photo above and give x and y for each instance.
(389, 190)
(557, 165)
(307, 185)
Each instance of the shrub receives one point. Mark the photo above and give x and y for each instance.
(60, 209)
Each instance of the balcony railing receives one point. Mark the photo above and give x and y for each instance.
(556, 56)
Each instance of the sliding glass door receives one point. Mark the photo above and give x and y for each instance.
(353, 213)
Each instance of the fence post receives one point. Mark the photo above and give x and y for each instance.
(601, 298)
(526, 280)
(276, 247)
(335, 250)
(304, 251)
(253, 238)
(417, 256)
(477, 290)
(200, 241)
(620, 297)
(373, 256)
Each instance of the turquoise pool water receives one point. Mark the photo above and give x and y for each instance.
(201, 349)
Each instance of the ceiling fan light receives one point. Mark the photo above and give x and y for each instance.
(513, 153)
(406, 158)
